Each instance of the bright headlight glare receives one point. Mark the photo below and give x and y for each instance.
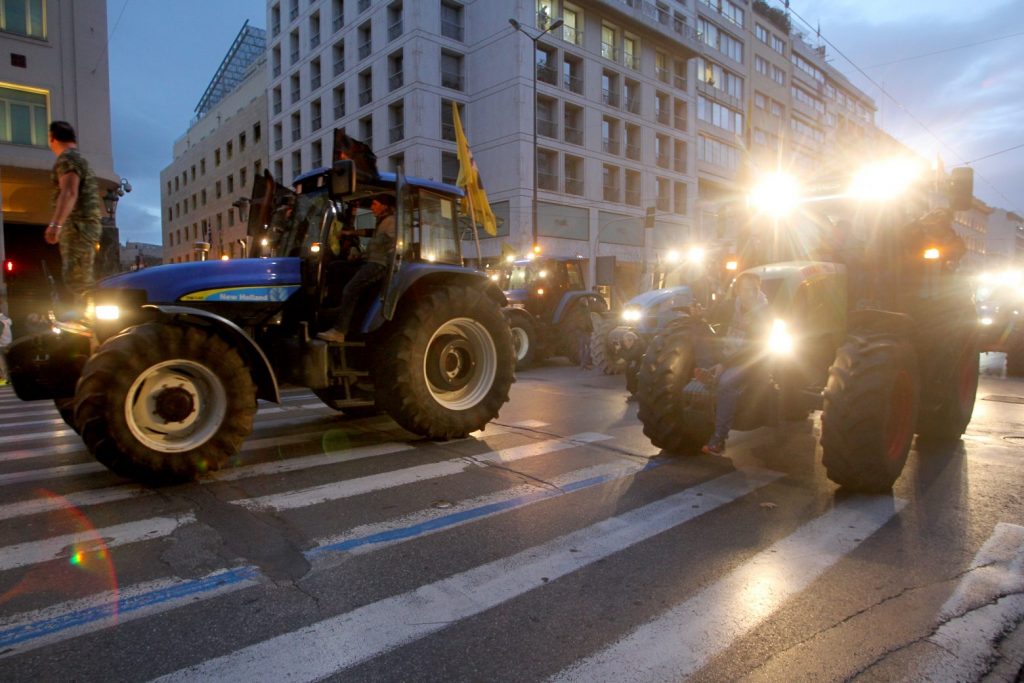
(695, 255)
(776, 194)
(780, 341)
(108, 312)
(885, 180)
(672, 256)
(631, 315)
(986, 321)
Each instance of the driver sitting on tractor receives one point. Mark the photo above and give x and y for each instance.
(378, 256)
(750, 322)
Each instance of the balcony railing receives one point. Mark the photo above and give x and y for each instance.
(633, 197)
(395, 81)
(679, 81)
(680, 164)
(610, 146)
(663, 117)
(547, 181)
(633, 152)
(314, 40)
(547, 128)
(679, 122)
(363, 5)
(339, 111)
(610, 193)
(338, 23)
(396, 133)
(364, 50)
(572, 35)
(451, 80)
(663, 160)
(573, 136)
(662, 74)
(339, 66)
(573, 186)
(572, 83)
(608, 51)
(365, 97)
(395, 30)
(451, 29)
(448, 131)
(610, 97)
(295, 55)
(315, 123)
(546, 74)
(631, 61)
(633, 104)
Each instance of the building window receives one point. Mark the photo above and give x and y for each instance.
(451, 20)
(395, 67)
(572, 119)
(339, 102)
(275, 20)
(397, 162)
(609, 42)
(279, 168)
(719, 115)
(449, 168)
(547, 117)
(275, 61)
(242, 176)
(314, 74)
(316, 154)
(315, 117)
(363, 5)
(662, 154)
(229, 149)
(448, 120)
(365, 41)
(633, 142)
(278, 141)
(256, 132)
(631, 53)
(365, 88)
(610, 88)
(679, 156)
(573, 175)
(572, 24)
(631, 96)
(572, 73)
(662, 109)
(337, 14)
(664, 190)
(366, 130)
(314, 30)
(338, 51)
(217, 189)
(610, 182)
(296, 88)
(451, 70)
(296, 126)
(296, 162)
(275, 100)
(610, 135)
(216, 162)
(293, 10)
(679, 114)
(241, 147)
(231, 186)
(547, 66)
(293, 41)
(24, 116)
(24, 17)
(633, 195)
(661, 66)
(202, 198)
(396, 122)
(547, 170)
(394, 20)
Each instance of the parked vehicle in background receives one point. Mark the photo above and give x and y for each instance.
(1000, 301)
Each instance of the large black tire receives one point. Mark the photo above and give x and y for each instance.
(1015, 358)
(572, 330)
(871, 406)
(524, 340)
(665, 370)
(600, 349)
(66, 408)
(952, 407)
(164, 403)
(446, 365)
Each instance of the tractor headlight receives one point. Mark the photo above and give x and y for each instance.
(631, 315)
(986, 321)
(108, 312)
(780, 341)
(776, 194)
(885, 180)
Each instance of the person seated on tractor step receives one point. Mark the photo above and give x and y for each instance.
(378, 256)
(750, 323)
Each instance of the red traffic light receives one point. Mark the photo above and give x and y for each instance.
(8, 266)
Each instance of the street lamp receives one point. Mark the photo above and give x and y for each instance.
(534, 38)
(113, 194)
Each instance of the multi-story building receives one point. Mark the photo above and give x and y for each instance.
(645, 110)
(135, 255)
(1004, 243)
(204, 191)
(54, 68)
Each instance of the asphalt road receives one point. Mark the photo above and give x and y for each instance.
(557, 544)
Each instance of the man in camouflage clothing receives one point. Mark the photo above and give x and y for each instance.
(76, 213)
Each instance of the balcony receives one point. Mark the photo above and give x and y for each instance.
(632, 104)
(572, 35)
(364, 50)
(572, 83)
(314, 40)
(547, 181)
(395, 30)
(679, 122)
(679, 81)
(662, 74)
(451, 80)
(573, 186)
(547, 128)
(633, 197)
(363, 5)
(451, 29)
(365, 97)
(610, 146)
(610, 193)
(610, 97)
(395, 81)
(680, 164)
(448, 131)
(663, 117)
(631, 62)
(546, 74)
(396, 133)
(573, 136)
(633, 152)
(608, 51)
(339, 111)
(338, 23)
(663, 161)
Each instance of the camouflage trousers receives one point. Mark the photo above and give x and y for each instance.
(77, 254)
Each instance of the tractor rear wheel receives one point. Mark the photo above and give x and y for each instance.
(600, 349)
(447, 363)
(871, 406)
(164, 403)
(524, 340)
(952, 410)
(573, 332)
(664, 372)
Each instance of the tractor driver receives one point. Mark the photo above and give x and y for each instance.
(378, 256)
(750, 322)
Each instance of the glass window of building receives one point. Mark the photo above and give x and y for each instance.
(24, 17)
(24, 116)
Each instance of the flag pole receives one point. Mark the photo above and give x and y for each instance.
(476, 233)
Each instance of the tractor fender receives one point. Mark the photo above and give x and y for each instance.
(262, 372)
(417, 276)
(591, 300)
(872, 321)
(512, 314)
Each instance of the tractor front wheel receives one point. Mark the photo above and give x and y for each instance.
(601, 353)
(665, 370)
(164, 403)
(524, 341)
(871, 406)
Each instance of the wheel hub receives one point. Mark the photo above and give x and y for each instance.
(450, 363)
(174, 404)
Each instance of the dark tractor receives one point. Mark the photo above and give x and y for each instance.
(884, 342)
(163, 385)
(549, 308)
(1000, 303)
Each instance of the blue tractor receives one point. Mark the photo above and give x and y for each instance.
(163, 384)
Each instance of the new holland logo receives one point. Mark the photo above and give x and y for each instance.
(243, 294)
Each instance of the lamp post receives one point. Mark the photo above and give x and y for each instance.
(534, 35)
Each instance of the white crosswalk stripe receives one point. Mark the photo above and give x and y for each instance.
(312, 653)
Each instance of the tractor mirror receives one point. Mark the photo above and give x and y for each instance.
(343, 178)
(961, 188)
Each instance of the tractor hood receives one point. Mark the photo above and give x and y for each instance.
(662, 299)
(242, 280)
(517, 296)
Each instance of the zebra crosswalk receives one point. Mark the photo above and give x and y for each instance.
(347, 549)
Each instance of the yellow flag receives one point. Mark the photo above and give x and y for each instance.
(469, 181)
